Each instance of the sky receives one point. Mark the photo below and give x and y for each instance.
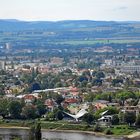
(53, 10)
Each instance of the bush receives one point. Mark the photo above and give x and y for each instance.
(24, 124)
(97, 128)
(108, 132)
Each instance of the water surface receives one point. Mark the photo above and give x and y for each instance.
(72, 136)
(9, 134)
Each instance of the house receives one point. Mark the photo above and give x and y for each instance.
(73, 108)
(29, 99)
(117, 105)
(50, 104)
(133, 109)
(71, 101)
(105, 120)
(100, 104)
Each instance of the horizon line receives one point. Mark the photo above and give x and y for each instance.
(45, 20)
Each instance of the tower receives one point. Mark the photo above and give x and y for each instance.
(8, 46)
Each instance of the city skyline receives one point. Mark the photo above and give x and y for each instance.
(54, 10)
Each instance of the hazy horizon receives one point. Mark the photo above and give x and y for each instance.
(58, 10)
(26, 20)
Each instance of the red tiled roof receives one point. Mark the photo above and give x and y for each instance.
(71, 100)
(49, 102)
(100, 106)
(29, 97)
(74, 93)
(74, 89)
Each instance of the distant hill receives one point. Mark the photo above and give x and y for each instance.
(15, 25)
(23, 34)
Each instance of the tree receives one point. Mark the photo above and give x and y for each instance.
(123, 95)
(32, 133)
(2, 72)
(110, 98)
(99, 75)
(58, 84)
(27, 78)
(50, 116)
(15, 109)
(128, 82)
(112, 110)
(105, 96)
(17, 82)
(116, 81)
(4, 107)
(130, 117)
(115, 119)
(121, 117)
(41, 109)
(94, 73)
(34, 73)
(35, 132)
(138, 121)
(82, 78)
(59, 99)
(96, 82)
(67, 72)
(86, 73)
(84, 83)
(35, 86)
(88, 118)
(38, 131)
(59, 115)
(29, 112)
(89, 85)
(2, 91)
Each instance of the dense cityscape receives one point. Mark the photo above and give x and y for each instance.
(95, 87)
(69, 70)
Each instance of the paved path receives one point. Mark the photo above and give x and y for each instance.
(134, 135)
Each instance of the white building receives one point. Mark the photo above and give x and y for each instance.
(2, 65)
(130, 68)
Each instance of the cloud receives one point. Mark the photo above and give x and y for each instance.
(70, 9)
(120, 8)
(123, 8)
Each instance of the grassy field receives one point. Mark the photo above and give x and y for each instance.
(116, 130)
(92, 42)
(122, 130)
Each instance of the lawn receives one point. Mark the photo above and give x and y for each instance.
(117, 130)
(92, 42)
(122, 130)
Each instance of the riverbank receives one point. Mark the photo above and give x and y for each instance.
(133, 136)
(13, 127)
(115, 130)
(118, 131)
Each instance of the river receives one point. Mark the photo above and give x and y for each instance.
(9, 134)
